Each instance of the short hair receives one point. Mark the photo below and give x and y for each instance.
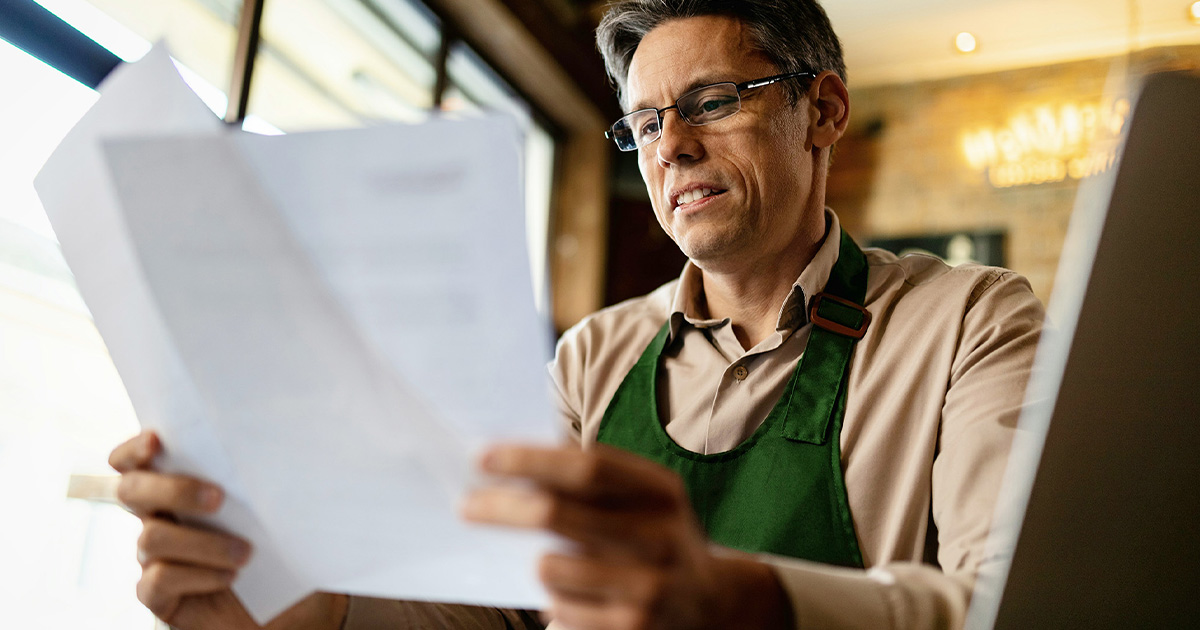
(794, 34)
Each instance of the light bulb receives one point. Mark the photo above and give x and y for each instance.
(965, 42)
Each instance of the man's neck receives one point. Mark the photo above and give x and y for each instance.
(751, 296)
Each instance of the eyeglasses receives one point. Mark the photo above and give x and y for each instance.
(700, 106)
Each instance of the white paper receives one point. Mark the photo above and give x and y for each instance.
(144, 99)
(328, 325)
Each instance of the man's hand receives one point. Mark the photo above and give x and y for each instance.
(186, 570)
(641, 560)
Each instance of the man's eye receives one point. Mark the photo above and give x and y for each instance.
(649, 128)
(713, 104)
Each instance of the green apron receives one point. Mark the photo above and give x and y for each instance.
(781, 491)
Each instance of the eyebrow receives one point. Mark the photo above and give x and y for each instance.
(698, 82)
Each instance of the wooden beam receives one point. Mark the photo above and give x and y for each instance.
(573, 46)
(243, 60)
(494, 31)
(579, 241)
(442, 80)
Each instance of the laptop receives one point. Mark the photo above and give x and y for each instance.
(1099, 520)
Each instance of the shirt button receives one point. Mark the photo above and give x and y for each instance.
(740, 372)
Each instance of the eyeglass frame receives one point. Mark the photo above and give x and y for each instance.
(738, 87)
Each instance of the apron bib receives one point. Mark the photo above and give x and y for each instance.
(781, 491)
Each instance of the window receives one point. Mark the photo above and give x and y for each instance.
(67, 563)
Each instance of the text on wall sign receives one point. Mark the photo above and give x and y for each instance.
(1049, 143)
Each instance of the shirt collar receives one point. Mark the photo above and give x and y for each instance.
(793, 313)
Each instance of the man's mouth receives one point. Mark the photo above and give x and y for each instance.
(696, 194)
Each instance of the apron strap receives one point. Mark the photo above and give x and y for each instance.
(839, 321)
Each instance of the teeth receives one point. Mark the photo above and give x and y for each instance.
(693, 195)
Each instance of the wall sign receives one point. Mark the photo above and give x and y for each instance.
(1049, 143)
(981, 246)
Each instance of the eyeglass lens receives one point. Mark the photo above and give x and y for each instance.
(698, 107)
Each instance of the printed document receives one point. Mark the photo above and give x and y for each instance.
(329, 325)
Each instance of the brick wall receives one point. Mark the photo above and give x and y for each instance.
(902, 169)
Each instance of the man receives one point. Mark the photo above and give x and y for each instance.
(789, 413)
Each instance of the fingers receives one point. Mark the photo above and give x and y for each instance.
(608, 500)
(514, 506)
(186, 571)
(596, 592)
(136, 452)
(147, 492)
(163, 586)
(166, 542)
(597, 580)
(600, 473)
(591, 594)
(583, 614)
(607, 529)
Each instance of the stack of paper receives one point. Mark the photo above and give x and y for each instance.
(328, 325)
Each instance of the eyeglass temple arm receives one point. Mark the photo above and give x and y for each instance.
(750, 85)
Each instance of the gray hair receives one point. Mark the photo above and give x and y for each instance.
(794, 34)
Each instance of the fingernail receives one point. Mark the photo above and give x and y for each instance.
(498, 459)
(210, 498)
(239, 551)
(489, 460)
(471, 506)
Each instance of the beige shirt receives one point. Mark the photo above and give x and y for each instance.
(935, 389)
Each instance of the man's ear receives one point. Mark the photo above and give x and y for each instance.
(829, 109)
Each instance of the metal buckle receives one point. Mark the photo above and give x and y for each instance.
(832, 326)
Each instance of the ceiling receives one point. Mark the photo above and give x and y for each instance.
(898, 41)
(907, 40)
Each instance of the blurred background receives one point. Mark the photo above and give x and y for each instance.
(973, 125)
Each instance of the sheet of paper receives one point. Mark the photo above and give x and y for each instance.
(143, 99)
(425, 250)
(344, 317)
(423, 242)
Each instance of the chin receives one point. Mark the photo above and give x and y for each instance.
(708, 247)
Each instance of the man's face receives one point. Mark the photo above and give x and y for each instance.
(755, 163)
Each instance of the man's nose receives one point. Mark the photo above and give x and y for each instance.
(679, 142)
